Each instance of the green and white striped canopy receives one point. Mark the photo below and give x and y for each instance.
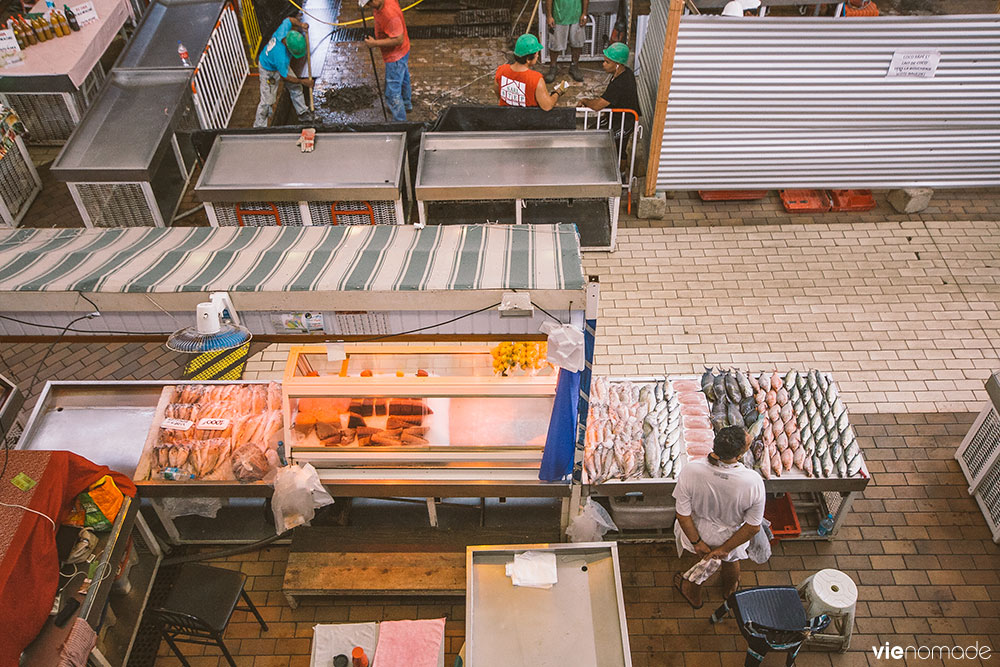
(381, 258)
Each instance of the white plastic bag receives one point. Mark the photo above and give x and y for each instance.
(297, 494)
(590, 524)
(702, 570)
(564, 346)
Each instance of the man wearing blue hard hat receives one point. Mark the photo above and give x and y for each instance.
(274, 62)
(621, 92)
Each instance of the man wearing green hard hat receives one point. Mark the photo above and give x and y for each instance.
(518, 85)
(621, 92)
(274, 62)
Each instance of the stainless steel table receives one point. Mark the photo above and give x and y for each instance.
(166, 22)
(522, 167)
(345, 172)
(579, 621)
(126, 165)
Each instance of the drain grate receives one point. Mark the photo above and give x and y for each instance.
(432, 32)
(482, 16)
(451, 31)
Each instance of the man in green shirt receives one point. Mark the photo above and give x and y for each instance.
(566, 20)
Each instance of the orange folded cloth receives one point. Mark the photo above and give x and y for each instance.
(409, 643)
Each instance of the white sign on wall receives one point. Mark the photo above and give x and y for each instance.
(914, 64)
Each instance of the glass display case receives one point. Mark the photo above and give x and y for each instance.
(456, 412)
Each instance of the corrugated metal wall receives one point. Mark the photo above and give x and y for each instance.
(648, 61)
(790, 102)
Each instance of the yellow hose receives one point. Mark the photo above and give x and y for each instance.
(345, 23)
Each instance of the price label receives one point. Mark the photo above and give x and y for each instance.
(8, 42)
(172, 424)
(85, 13)
(213, 424)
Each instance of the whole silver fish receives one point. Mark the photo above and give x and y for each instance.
(652, 450)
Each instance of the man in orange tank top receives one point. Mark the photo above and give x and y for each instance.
(860, 8)
(518, 85)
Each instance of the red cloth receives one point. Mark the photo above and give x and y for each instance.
(389, 23)
(29, 566)
(517, 89)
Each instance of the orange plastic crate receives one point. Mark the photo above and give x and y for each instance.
(780, 511)
(852, 200)
(731, 195)
(805, 201)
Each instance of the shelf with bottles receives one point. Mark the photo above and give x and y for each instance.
(33, 28)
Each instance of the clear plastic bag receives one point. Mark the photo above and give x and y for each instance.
(297, 494)
(590, 524)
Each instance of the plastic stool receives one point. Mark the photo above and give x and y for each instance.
(835, 594)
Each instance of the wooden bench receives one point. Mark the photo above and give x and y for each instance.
(365, 561)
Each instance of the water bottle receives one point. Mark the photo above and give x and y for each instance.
(183, 53)
(826, 525)
(175, 474)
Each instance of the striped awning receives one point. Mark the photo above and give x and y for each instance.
(382, 258)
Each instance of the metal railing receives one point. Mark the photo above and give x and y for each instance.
(606, 118)
(220, 73)
(251, 27)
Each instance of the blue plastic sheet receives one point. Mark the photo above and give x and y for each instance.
(560, 443)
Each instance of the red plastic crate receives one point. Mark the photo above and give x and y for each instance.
(780, 511)
(852, 200)
(731, 195)
(805, 201)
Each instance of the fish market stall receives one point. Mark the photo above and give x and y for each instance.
(377, 434)
(642, 431)
(59, 78)
(420, 419)
(348, 179)
(576, 618)
(539, 177)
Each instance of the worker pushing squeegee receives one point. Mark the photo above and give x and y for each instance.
(394, 43)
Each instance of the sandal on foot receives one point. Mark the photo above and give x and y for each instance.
(678, 579)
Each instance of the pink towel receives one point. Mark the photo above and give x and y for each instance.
(409, 643)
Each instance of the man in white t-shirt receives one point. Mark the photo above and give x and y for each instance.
(720, 506)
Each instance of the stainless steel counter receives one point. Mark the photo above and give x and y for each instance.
(115, 417)
(166, 22)
(270, 167)
(579, 621)
(507, 165)
(123, 134)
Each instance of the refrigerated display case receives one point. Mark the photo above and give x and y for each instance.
(417, 419)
